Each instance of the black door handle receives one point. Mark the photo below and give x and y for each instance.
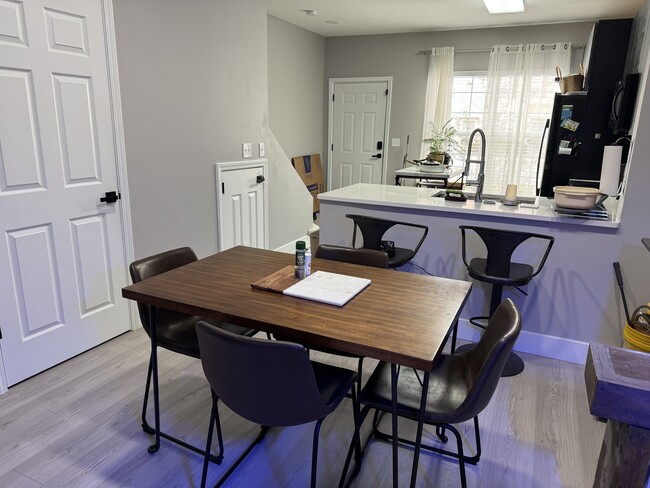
(260, 178)
(110, 197)
(378, 155)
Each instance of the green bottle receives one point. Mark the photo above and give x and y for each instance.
(299, 268)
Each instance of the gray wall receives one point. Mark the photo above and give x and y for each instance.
(297, 87)
(395, 55)
(194, 87)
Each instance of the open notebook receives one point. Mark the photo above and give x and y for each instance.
(331, 288)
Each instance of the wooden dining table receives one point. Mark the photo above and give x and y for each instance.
(401, 318)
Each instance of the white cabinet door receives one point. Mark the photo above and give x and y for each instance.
(62, 261)
(358, 127)
(242, 205)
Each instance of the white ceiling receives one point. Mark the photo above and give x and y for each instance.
(362, 17)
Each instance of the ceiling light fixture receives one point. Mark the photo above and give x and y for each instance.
(504, 6)
(310, 13)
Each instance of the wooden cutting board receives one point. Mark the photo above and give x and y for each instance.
(277, 282)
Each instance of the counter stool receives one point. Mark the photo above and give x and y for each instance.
(373, 230)
(498, 269)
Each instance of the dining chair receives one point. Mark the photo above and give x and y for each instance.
(175, 331)
(271, 383)
(373, 230)
(351, 255)
(365, 257)
(460, 387)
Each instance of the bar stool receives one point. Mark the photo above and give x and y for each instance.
(498, 270)
(373, 230)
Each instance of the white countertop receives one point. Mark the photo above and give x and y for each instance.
(421, 198)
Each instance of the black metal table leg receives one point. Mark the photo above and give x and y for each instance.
(393, 387)
(418, 436)
(151, 311)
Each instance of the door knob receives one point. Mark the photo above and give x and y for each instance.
(378, 155)
(110, 197)
(260, 178)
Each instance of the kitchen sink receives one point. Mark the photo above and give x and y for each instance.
(486, 196)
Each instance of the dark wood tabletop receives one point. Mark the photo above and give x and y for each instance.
(401, 317)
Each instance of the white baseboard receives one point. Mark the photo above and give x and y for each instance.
(533, 343)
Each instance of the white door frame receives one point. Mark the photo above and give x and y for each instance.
(330, 121)
(220, 168)
(120, 160)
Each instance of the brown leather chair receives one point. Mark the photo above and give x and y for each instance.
(351, 255)
(271, 383)
(460, 387)
(175, 331)
(365, 257)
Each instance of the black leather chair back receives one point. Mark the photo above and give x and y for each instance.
(365, 257)
(487, 360)
(270, 383)
(155, 265)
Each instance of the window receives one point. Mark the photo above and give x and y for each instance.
(507, 160)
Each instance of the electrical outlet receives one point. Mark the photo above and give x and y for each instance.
(394, 142)
(262, 150)
(247, 150)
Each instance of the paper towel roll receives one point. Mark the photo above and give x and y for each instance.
(610, 172)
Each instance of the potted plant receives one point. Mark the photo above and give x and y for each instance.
(440, 142)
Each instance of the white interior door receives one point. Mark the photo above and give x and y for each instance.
(62, 259)
(357, 133)
(242, 204)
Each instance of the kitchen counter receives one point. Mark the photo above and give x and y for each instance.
(422, 199)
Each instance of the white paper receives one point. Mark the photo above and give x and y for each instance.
(609, 174)
(331, 288)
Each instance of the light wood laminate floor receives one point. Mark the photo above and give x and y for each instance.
(78, 425)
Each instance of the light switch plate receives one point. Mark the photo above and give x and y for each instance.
(247, 150)
(394, 142)
(262, 149)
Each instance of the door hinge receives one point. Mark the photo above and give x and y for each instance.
(0, 332)
(332, 147)
(386, 91)
(223, 187)
(332, 97)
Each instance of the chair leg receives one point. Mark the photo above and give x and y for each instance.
(314, 453)
(145, 425)
(357, 467)
(152, 373)
(477, 435)
(263, 430)
(461, 458)
(214, 417)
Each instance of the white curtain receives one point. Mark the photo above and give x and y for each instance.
(437, 104)
(520, 92)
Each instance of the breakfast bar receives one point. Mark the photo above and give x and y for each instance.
(583, 252)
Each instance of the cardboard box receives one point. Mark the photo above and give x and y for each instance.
(311, 173)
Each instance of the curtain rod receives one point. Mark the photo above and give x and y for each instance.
(487, 49)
